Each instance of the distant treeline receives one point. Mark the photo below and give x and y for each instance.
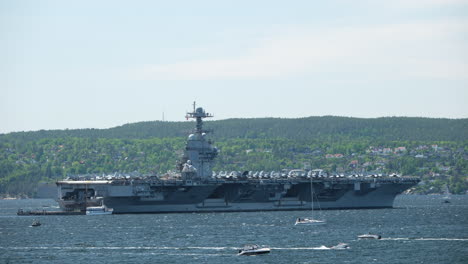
(322, 128)
(26, 158)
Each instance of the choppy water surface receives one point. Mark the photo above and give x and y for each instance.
(421, 229)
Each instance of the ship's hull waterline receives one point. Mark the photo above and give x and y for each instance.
(241, 196)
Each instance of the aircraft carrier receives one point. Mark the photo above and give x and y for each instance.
(194, 188)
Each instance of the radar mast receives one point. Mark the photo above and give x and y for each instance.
(198, 113)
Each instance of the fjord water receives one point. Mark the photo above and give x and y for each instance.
(420, 229)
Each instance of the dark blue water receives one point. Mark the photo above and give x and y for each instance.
(420, 230)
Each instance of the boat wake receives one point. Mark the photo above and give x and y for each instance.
(155, 248)
(190, 254)
(304, 248)
(118, 248)
(425, 239)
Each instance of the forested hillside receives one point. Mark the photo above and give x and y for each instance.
(435, 149)
(385, 128)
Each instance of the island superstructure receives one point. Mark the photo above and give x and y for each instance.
(194, 188)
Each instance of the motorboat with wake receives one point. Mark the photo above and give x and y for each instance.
(249, 250)
(370, 236)
(340, 246)
(36, 223)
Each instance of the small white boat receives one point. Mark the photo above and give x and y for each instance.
(369, 236)
(340, 246)
(249, 250)
(309, 221)
(36, 223)
(99, 210)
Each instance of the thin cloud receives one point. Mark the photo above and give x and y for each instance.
(413, 50)
(413, 4)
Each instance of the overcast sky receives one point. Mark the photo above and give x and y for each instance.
(99, 64)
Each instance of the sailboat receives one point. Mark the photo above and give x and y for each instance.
(311, 220)
(447, 194)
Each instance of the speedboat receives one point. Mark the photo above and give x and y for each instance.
(36, 223)
(308, 221)
(369, 236)
(340, 246)
(249, 250)
(99, 210)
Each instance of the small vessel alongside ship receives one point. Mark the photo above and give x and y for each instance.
(98, 210)
(195, 188)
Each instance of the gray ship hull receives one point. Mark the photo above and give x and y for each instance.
(236, 196)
